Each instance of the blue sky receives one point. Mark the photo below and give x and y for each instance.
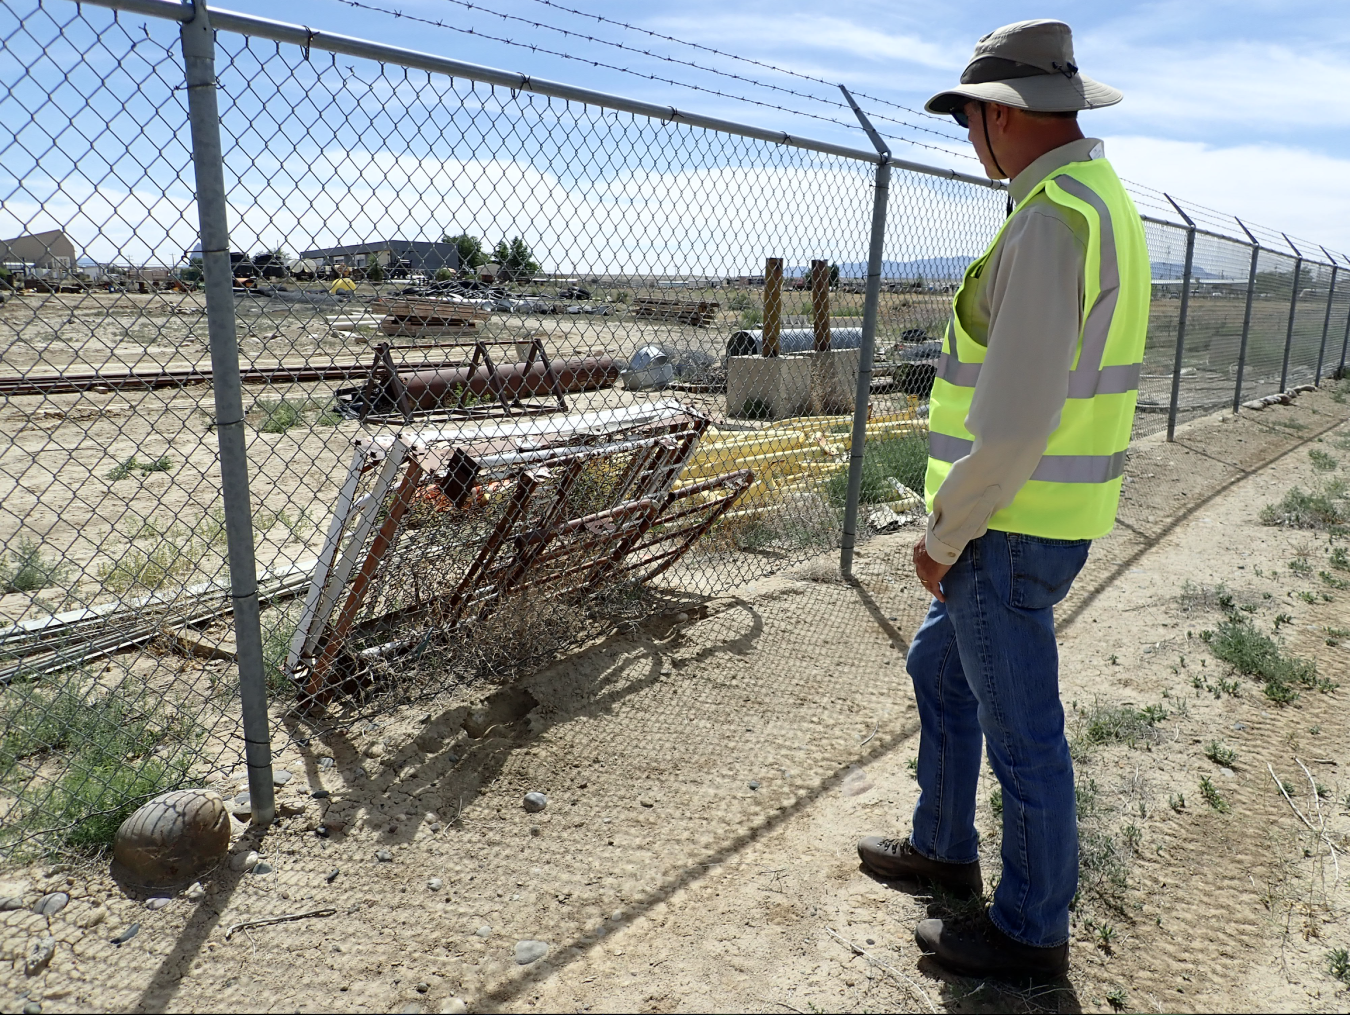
(1239, 106)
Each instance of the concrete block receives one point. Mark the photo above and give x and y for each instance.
(768, 388)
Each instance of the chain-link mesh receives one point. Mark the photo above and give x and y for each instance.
(508, 382)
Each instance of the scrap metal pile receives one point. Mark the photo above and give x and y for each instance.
(485, 534)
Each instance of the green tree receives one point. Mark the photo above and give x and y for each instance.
(834, 275)
(444, 274)
(470, 250)
(516, 259)
(375, 272)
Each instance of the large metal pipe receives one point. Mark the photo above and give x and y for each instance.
(432, 388)
(792, 340)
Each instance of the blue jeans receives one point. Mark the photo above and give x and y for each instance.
(984, 664)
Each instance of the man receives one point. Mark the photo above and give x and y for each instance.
(1029, 420)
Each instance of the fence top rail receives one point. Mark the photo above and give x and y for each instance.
(309, 38)
(1234, 239)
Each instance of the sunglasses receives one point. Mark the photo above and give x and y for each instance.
(962, 120)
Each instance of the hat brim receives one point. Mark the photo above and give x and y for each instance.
(1042, 93)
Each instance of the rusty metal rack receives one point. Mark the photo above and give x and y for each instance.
(537, 512)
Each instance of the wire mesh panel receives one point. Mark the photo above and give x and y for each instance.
(517, 368)
(1269, 326)
(453, 254)
(1167, 255)
(115, 646)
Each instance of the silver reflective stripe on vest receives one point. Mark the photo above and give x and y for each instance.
(1089, 378)
(1051, 469)
(1085, 379)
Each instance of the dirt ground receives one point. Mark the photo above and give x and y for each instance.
(709, 770)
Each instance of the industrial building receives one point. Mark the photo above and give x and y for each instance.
(412, 255)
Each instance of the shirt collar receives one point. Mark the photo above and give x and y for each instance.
(1083, 150)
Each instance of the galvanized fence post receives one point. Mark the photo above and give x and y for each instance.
(1293, 310)
(1181, 320)
(1246, 318)
(871, 300)
(199, 52)
(1345, 342)
(1326, 321)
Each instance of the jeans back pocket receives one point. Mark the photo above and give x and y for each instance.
(1043, 569)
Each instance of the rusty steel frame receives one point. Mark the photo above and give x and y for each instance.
(646, 528)
(500, 407)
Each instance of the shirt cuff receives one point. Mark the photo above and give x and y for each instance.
(943, 553)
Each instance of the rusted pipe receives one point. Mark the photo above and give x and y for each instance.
(431, 388)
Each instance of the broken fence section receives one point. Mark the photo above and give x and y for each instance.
(435, 532)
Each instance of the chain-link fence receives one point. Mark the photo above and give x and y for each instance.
(516, 363)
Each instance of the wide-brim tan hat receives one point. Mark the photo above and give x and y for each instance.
(1029, 65)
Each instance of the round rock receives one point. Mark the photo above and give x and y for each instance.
(384, 856)
(51, 904)
(530, 951)
(454, 1006)
(535, 802)
(174, 837)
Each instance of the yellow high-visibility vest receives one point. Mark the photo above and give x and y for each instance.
(1075, 489)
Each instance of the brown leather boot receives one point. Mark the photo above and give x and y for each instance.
(896, 858)
(979, 948)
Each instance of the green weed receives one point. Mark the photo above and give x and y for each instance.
(898, 458)
(1249, 652)
(1339, 559)
(179, 553)
(27, 569)
(1332, 581)
(1116, 998)
(996, 802)
(1220, 753)
(1211, 795)
(1322, 461)
(1315, 509)
(278, 628)
(106, 742)
(1300, 566)
(1115, 724)
(1338, 963)
(124, 469)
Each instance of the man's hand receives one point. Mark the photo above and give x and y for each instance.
(930, 572)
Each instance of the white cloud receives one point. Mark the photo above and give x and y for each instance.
(1292, 189)
(836, 35)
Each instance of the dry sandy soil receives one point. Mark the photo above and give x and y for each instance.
(707, 779)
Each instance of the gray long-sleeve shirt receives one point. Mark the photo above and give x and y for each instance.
(1026, 308)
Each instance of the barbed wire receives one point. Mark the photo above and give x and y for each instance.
(705, 68)
(742, 59)
(360, 5)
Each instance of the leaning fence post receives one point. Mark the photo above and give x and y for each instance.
(869, 332)
(199, 57)
(1345, 342)
(1326, 321)
(1293, 309)
(1181, 320)
(1246, 317)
